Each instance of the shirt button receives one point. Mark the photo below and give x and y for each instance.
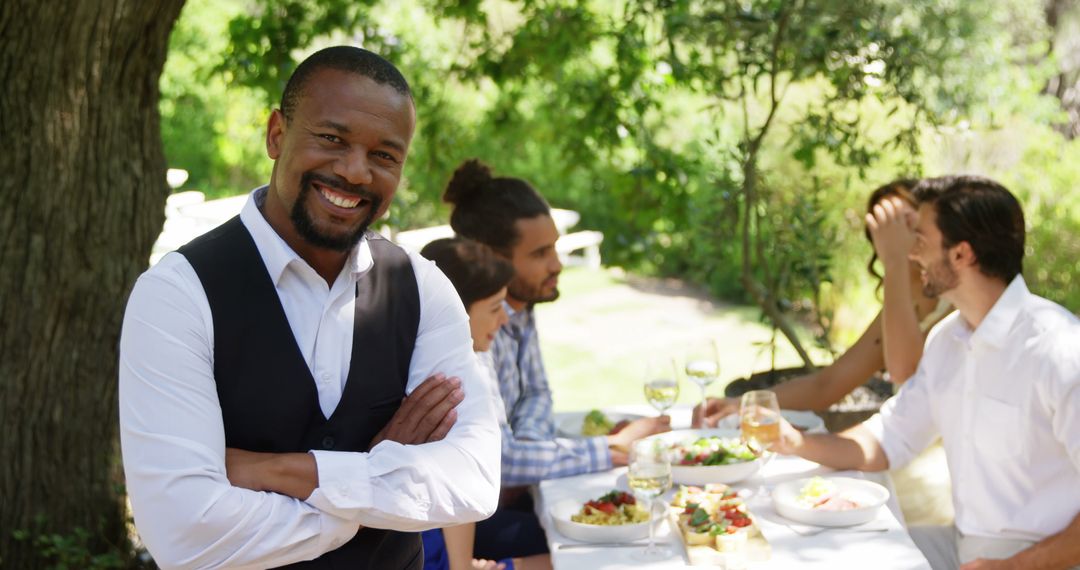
(337, 542)
(326, 377)
(328, 442)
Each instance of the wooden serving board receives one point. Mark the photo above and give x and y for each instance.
(757, 548)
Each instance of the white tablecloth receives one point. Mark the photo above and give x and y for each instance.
(832, 549)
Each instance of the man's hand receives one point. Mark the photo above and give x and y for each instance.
(426, 415)
(791, 440)
(715, 410)
(620, 442)
(891, 225)
(292, 474)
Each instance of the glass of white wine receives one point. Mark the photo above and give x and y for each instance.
(759, 419)
(661, 384)
(649, 476)
(702, 365)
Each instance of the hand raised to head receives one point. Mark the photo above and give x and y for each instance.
(892, 228)
(426, 415)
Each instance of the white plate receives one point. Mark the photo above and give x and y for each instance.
(804, 420)
(569, 424)
(867, 493)
(704, 474)
(563, 510)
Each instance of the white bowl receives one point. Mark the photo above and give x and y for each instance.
(569, 424)
(801, 419)
(700, 475)
(870, 495)
(563, 510)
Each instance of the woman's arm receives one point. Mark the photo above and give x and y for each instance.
(817, 390)
(890, 226)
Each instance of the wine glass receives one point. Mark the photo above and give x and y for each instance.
(702, 365)
(661, 384)
(649, 476)
(759, 419)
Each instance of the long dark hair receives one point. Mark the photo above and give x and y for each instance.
(901, 188)
(473, 268)
(486, 207)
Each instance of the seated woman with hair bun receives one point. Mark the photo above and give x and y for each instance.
(480, 278)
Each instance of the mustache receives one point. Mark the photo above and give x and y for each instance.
(340, 185)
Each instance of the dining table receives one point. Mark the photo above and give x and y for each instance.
(882, 543)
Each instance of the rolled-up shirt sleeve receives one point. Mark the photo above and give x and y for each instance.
(417, 487)
(905, 425)
(173, 442)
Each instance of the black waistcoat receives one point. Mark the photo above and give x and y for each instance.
(268, 398)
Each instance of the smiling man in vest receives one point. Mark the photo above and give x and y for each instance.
(265, 366)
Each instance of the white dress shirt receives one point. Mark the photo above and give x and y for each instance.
(1005, 398)
(173, 437)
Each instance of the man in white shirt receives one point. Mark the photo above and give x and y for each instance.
(265, 366)
(999, 381)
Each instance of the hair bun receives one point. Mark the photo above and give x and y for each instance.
(467, 182)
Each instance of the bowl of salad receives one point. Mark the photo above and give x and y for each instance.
(829, 501)
(615, 516)
(703, 456)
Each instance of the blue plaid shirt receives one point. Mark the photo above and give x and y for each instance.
(530, 450)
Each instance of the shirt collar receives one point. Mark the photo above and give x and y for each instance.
(277, 255)
(517, 321)
(995, 326)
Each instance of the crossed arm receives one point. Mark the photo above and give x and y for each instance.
(179, 473)
(425, 416)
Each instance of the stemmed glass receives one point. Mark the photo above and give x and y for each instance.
(649, 476)
(661, 383)
(702, 365)
(759, 419)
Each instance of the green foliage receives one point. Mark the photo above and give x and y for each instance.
(210, 127)
(78, 550)
(671, 125)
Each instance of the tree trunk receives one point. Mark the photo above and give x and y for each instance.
(82, 195)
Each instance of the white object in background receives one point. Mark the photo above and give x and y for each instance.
(176, 177)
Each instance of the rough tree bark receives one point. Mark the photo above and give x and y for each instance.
(82, 192)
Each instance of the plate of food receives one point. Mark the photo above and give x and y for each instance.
(703, 456)
(829, 501)
(801, 420)
(714, 523)
(592, 423)
(612, 517)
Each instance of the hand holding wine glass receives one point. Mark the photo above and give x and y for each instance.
(759, 419)
(649, 477)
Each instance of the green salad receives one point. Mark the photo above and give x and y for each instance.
(596, 423)
(708, 451)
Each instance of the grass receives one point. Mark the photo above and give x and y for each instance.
(598, 335)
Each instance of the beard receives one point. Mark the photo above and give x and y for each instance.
(531, 294)
(940, 277)
(309, 230)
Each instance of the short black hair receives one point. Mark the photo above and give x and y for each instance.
(473, 268)
(983, 213)
(343, 58)
(486, 207)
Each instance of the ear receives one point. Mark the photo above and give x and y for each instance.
(275, 132)
(962, 255)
